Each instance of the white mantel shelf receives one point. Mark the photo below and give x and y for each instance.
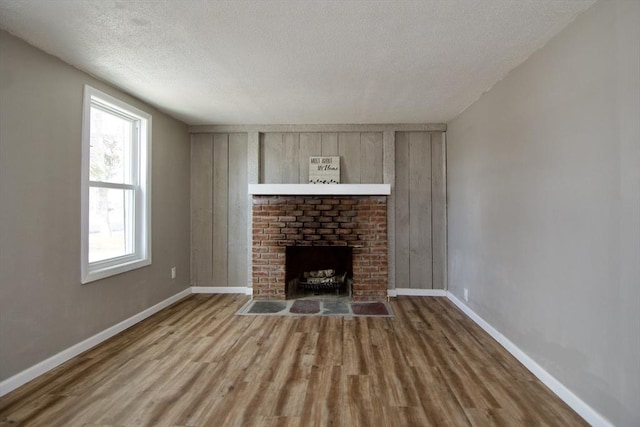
(320, 189)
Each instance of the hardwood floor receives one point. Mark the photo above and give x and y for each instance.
(196, 364)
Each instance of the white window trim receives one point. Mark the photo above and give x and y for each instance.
(142, 254)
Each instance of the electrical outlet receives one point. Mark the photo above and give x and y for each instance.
(466, 294)
(173, 273)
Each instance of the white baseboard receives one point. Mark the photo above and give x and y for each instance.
(417, 292)
(29, 374)
(221, 290)
(583, 409)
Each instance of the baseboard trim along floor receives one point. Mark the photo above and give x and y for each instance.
(410, 292)
(221, 290)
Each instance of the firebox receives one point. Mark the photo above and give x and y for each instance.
(318, 271)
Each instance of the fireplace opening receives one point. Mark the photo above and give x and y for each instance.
(318, 271)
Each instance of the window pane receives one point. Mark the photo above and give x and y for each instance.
(110, 223)
(110, 147)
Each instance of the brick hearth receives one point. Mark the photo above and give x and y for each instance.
(356, 221)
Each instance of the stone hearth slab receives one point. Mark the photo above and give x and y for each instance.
(267, 307)
(335, 307)
(369, 309)
(316, 307)
(305, 307)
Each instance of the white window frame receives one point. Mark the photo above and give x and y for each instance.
(141, 148)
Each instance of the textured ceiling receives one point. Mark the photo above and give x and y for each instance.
(295, 61)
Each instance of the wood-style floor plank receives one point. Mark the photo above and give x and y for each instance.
(197, 364)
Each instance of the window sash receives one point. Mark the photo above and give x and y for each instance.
(132, 176)
(130, 220)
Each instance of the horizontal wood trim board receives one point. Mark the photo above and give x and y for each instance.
(320, 189)
(45, 366)
(582, 408)
(417, 292)
(401, 127)
(221, 290)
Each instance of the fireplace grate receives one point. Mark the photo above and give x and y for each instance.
(321, 280)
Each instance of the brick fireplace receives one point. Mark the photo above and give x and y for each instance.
(356, 221)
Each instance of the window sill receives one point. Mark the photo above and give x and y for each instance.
(97, 273)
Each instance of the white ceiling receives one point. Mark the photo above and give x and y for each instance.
(295, 61)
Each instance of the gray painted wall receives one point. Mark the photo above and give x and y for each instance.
(43, 307)
(544, 208)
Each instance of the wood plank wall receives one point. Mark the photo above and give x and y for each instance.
(219, 210)
(221, 163)
(420, 211)
(284, 157)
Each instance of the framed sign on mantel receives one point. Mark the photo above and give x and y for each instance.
(324, 170)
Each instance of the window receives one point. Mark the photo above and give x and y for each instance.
(116, 186)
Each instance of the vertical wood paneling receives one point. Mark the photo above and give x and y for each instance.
(371, 155)
(329, 143)
(349, 150)
(388, 177)
(284, 156)
(223, 164)
(413, 211)
(290, 167)
(238, 238)
(420, 210)
(253, 158)
(439, 210)
(201, 208)
(271, 155)
(402, 223)
(220, 208)
(279, 158)
(310, 145)
(253, 177)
